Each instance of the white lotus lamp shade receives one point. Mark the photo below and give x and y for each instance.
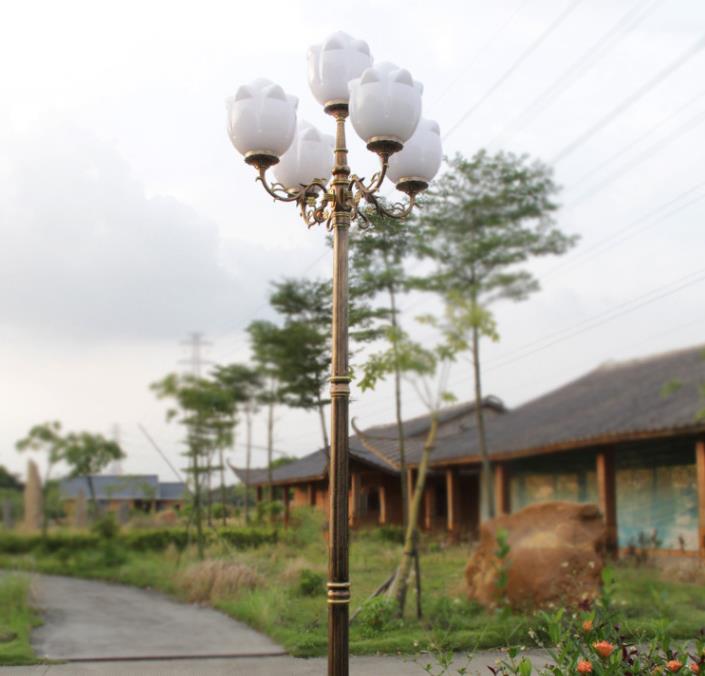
(310, 157)
(332, 64)
(261, 121)
(413, 167)
(385, 106)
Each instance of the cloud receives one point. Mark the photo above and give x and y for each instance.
(87, 254)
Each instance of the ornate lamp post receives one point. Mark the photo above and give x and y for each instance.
(311, 170)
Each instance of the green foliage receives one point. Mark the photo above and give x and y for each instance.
(311, 583)
(106, 527)
(502, 553)
(139, 540)
(378, 614)
(305, 529)
(86, 453)
(403, 355)
(17, 619)
(386, 533)
(484, 217)
(671, 387)
(8, 480)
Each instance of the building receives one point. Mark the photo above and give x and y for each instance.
(627, 436)
(140, 492)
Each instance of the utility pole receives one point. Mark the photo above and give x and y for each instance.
(196, 342)
(195, 361)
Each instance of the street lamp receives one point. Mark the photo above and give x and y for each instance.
(311, 170)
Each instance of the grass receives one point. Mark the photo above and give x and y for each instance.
(278, 589)
(17, 618)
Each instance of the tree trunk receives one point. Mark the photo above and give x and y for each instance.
(223, 492)
(398, 588)
(209, 486)
(270, 451)
(94, 503)
(197, 498)
(399, 421)
(248, 460)
(45, 507)
(487, 486)
(324, 429)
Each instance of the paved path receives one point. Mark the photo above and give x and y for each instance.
(86, 620)
(111, 630)
(249, 666)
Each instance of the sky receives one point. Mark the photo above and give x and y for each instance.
(128, 221)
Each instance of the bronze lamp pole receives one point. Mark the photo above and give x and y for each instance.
(384, 104)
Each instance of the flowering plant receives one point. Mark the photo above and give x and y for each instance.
(589, 641)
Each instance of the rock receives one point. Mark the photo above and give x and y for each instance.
(556, 556)
(33, 498)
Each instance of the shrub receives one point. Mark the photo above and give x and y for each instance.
(377, 615)
(106, 527)
(311, 583)
(450, 614)
(156, 539)
(305, 527)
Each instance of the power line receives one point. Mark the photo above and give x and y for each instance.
(655, 148)
(581, 66)
(515, 65)
(631, 229)
(627, 147)
(630, 100)
(480, 51)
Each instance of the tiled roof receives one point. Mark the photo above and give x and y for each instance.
(123, 487)
(624, 400)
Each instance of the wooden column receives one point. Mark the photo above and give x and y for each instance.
(382, 505)
(311, 494)
(607, 493)
(501, 490)
(259, 494)
(429, 500)
(409, 491)
(452, 500)
(354, 504)
(286, 506)
(700, 473)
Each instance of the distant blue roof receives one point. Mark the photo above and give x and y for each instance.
(172, 490)
(127, 487)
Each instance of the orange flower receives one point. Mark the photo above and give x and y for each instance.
(694, 667)
(603, 648)
(587, 626)
(584, 667)
(674, 665)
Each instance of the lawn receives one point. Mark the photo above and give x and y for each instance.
(280, 590)
(16, 620)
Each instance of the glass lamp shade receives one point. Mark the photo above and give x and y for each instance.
(414, 167)
(385, 106)
(332, 64)
(261, 121)
(309, 157)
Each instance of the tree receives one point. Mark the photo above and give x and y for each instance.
(304, 342)
(423, 364)
(46, 438)
(482, 220)
(206, 409)
(88, 454)
(266, 345)
(244, 383)
(378, 271)
(8, 480)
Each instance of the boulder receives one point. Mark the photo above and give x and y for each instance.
(556, 556)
